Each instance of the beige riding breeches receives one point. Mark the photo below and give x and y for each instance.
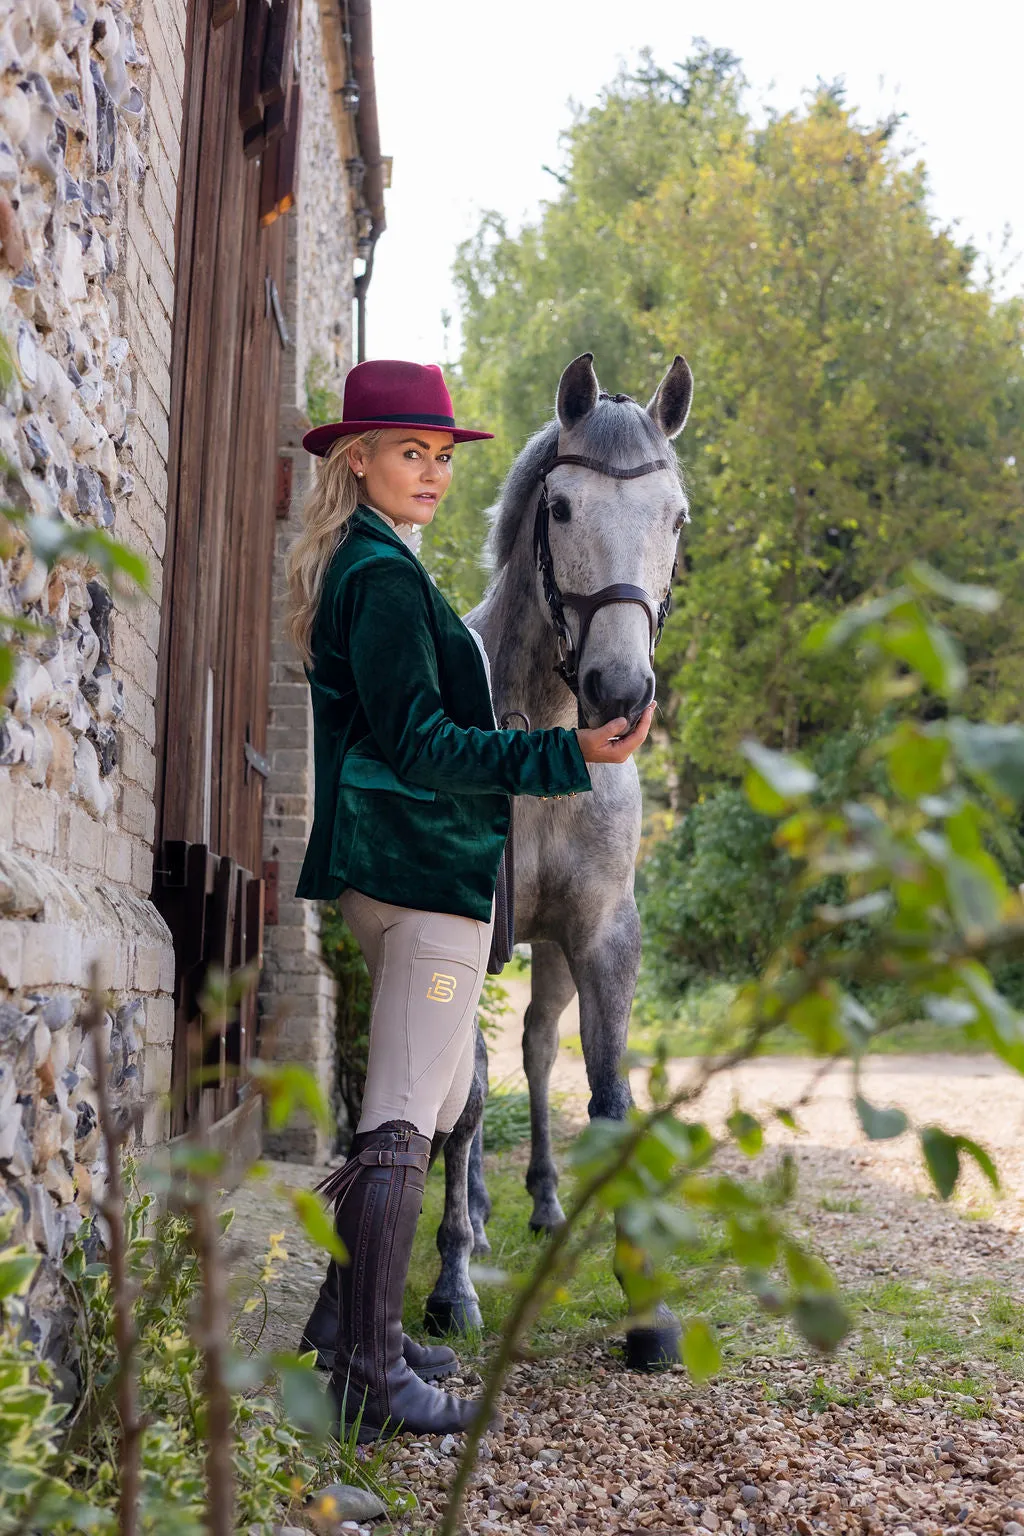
(428, 971)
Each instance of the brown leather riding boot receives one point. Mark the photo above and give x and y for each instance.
(379, 1193)
(429, 1361)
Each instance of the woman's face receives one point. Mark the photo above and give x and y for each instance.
(407, 475)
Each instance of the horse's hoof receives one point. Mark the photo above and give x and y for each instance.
(481, 1247)
(656, 1347)
(443, 1317)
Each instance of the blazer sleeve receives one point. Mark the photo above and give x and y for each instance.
(383, 613)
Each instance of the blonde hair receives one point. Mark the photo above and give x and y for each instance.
(332, 499)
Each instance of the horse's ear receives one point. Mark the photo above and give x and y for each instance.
(577, 391)
(670, 403)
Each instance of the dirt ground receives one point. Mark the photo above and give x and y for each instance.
(790, 1444)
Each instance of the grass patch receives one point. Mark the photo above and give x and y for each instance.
(506, 1118)
(594, 1304)
(900, 1325)
(699, 1026)
(841, 1204)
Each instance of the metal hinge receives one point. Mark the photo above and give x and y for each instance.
(254, 759)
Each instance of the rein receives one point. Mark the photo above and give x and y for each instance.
(586, 604)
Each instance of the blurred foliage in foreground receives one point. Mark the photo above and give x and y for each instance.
(893, 884)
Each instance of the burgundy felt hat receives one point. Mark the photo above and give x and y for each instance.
(391, 394)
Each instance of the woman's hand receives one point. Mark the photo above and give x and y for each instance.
(598, 746)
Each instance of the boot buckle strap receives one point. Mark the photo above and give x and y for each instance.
(383, 1157)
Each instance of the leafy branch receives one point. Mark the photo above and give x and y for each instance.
(926, 908)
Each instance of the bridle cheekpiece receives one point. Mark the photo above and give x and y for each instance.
(586, 604)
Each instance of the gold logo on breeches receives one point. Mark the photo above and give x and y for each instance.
(441, 989)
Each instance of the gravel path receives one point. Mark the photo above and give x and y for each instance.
(588, 1447)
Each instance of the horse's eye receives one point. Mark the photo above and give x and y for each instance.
(681, 521)
(561, 510)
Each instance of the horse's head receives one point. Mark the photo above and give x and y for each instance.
(612, 535)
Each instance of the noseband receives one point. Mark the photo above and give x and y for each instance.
(586, 604)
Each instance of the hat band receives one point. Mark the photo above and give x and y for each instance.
(422, 419)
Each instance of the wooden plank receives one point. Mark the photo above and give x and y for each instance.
(194, 620)
(226, 421)
(223, 12)
(278, 52)
(197, 48)
(218, 1086)
(288, 155)
(239, 1137)
(268, 184)
(250, 99)
(280, 165)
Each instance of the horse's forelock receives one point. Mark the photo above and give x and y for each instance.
(619, 433)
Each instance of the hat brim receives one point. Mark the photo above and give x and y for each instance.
(319, 439)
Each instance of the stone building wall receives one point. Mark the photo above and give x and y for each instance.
(90, 117)
(298, 991)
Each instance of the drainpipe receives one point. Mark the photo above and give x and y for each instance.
(368, 135)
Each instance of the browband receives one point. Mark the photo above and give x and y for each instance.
(605, 469)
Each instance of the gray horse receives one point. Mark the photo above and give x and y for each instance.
(611, 520)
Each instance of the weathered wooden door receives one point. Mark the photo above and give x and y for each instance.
(214, 649)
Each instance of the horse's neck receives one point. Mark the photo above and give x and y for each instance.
(520, 645)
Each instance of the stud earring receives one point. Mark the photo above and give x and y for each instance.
(359, 474)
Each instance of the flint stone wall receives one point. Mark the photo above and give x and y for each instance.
(90, 115)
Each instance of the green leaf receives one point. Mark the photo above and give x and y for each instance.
(981, 1157)
(317, 1224)
(788, 1119)
(816, 1017)
(916, 758)
(831, 634)
(746, 1131)
(991, 754)
(941, 1153)
(243, 1373)
(928, 650)
(288, 1088)
(717, 1192)
(700, 1352)
(997, 1022)
(806, 1271)
(975, 891)
(822, 1320)
(754, 1241)
(880, 1124)
(597, 1143)
(775, 781)
(305, 1403)
(688, 1141)
(871, 905)
(16, 1271)
(925, 578)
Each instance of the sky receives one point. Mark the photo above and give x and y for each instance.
(472, 97)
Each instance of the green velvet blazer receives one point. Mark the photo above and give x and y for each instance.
(412, 779)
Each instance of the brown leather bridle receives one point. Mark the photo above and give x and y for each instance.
(586, 604)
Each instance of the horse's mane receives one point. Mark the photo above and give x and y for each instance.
(617, 431)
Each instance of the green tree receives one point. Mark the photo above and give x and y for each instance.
(858, 385)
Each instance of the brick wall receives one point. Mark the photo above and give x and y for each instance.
(298, 992)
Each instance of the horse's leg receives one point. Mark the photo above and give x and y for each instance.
(452, 1306)
(605, 969)
(552, 991)
(479, 1199)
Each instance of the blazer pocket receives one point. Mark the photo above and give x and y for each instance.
(360, 772)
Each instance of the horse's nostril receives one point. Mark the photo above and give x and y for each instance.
(590, 684)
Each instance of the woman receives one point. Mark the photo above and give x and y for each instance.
(411, 814)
